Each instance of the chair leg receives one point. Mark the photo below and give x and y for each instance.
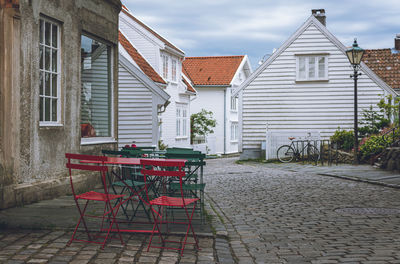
(113, 221)
(191, 227)
(81, 219)
(155, 217)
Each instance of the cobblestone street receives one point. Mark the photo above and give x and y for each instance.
(260, 214)
(276, 216)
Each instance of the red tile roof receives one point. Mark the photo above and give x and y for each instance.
(385, 64)
(188, 86)
(218, 70)
(140, 61)
(166, 42)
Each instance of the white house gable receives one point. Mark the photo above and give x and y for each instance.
(305, 86)
(148, 46)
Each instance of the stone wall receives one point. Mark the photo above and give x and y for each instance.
(32, 161)
(390, 159)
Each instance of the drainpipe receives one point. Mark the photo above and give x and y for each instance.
(225, 120)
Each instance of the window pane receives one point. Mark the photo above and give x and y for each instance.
(41, 31)
(41, 57)
(47, 33)
(47, 59)
(184, 127)
(54, 85)
(302, 67)
(41, 99)
(54, 109)
(41, 83)
(47, 109)
(54, 36)
(311, 67)
(47, 84)
(54, 60)
(96, 88)
(321, 67)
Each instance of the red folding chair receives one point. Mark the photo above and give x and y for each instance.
(93, 163)
(164, 169)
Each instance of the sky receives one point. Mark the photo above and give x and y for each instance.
(257, 27)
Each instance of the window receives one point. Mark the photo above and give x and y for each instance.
(165, 66)
(310, 68)
(234, 131)
(173, 70)
(96, 92)
(49, 72)
(182, 120)
(234, 102)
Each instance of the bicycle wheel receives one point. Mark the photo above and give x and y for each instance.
(313, 153)
(285, 153)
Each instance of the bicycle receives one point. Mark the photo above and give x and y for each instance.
(287, 153)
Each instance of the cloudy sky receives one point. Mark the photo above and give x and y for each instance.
(256, 27)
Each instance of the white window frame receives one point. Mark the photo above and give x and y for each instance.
(50, 72)
(165, 66)
(111, 138)
(182, 121)
(234, 102)
(315, 58)
(234, 131)
(174, 70)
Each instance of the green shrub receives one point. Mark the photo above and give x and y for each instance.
(374, 145)
(344, 139)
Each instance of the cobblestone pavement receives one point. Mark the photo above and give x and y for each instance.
(276, 216)
(260, 215)
(41, 246)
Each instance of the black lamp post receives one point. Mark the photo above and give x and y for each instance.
(355, 54)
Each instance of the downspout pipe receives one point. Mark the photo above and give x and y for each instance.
(225, 120)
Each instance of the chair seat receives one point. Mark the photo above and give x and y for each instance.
(130, 183)
(96, 196)
(172, 201)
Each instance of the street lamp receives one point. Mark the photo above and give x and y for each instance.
(355, 54)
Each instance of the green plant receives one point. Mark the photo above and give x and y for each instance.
(390, 108)
(374, 145)
(161, 145)
(201, 124)
(372, 122)
(343, 138)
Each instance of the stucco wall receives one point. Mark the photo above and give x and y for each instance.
(33, 158)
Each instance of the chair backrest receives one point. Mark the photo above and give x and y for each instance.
(162, 168)
(181, 150)
(86, 163)
(192, 158)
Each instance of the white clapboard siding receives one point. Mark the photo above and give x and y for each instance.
(148, 49)
(274, 98)
(135, 110)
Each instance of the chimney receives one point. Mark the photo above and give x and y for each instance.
(397, 42)
(320, 15)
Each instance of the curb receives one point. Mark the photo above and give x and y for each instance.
(225, 230)
(357, 179)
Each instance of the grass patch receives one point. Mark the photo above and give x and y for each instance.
(218, 215)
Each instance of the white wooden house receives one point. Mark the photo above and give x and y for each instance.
(166, 59)
(140, 97)
(304, 86)
(215, 78)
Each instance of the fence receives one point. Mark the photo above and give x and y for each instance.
(329, 153)
(277, 138)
